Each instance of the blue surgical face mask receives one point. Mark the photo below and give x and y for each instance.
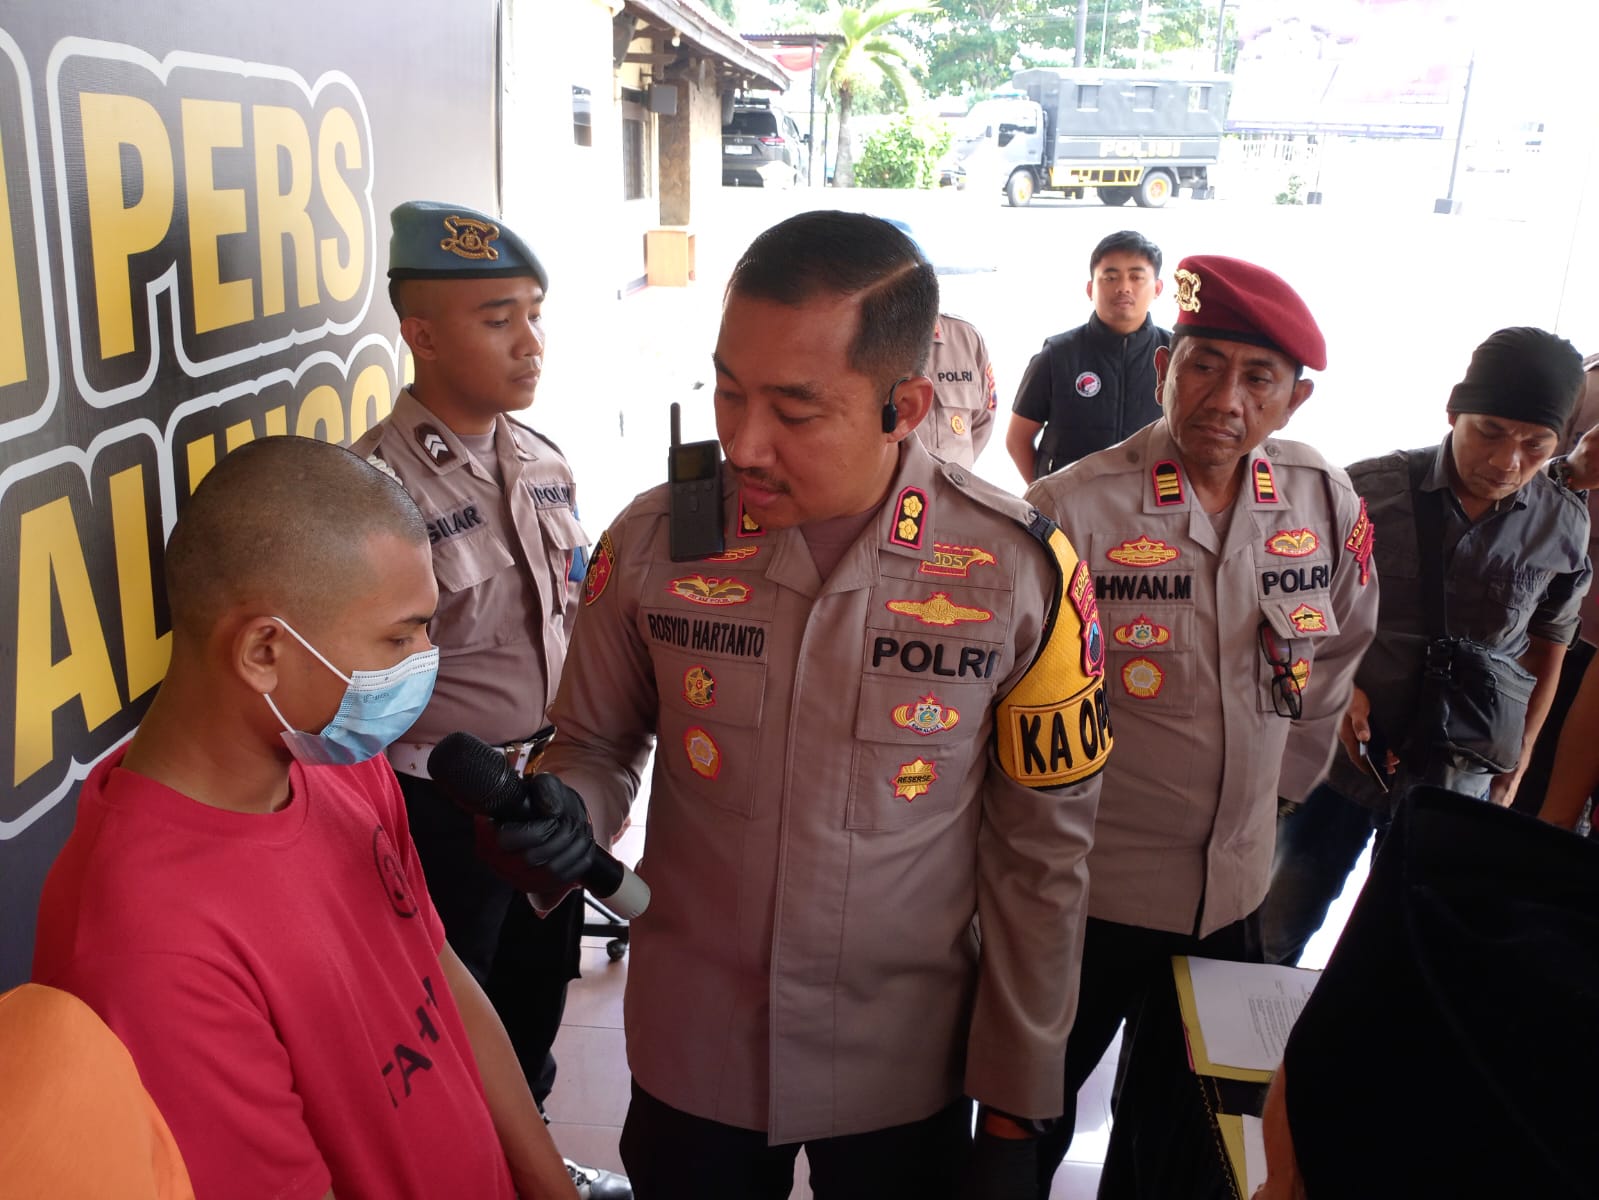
(378, 706)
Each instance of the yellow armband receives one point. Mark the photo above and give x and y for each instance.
(1053, 727)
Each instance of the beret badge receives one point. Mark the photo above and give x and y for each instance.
(470, 238)
(1187, 290)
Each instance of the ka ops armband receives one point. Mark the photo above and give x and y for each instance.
(1053, 727)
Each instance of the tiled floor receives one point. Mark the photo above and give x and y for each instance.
(590, 1097)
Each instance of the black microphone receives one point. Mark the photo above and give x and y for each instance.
(476, 776)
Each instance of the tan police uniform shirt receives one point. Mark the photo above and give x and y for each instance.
(962, 417)
(502, 556)
(1188, 819)
(846, 773)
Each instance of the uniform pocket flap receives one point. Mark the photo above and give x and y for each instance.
(463, 562)
(561, 528)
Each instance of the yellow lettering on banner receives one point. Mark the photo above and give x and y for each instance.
(276, 421)
(371, 399)
(147, 653)
(282, 214)
(50, 566)
(201, 456)
(321, 415)
(13, 350)
(119, 231)
(237, 434)
(209, 126)
(338, 132)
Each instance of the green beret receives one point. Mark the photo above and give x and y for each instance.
(448, 241)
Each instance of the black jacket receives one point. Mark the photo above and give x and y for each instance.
(1091, 387)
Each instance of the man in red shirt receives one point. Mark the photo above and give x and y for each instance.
(240, 899)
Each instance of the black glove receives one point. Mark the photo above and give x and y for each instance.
(1001, 1168)
(562, 843)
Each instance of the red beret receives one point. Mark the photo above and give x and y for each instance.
(1237, 301)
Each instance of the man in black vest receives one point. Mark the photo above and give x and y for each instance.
(1093, 386)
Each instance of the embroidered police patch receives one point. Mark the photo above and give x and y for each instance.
(909, 518)
(1293, 543)
(736, 554)
(955, 560)
(704, 756)
(1168, 484)
(938, 609)
(1362, 540)
(915, 778)
(699, 687)
(599, 572)
(1308, 619)
(1083, 600)
(1145, 552)
(927, 716)
(710, 590)
(1142, 632)
(1143, 678)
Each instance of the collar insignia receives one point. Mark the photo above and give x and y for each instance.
(1168, 484)
(433, 445)
(748, 526)
(909, 518)
(1265, 485)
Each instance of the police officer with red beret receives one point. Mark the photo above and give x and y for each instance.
(1236, 593)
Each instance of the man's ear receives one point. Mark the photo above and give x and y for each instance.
(1160, 285)
(913, 400)
(1302, 390)
(255, 652)
(1088, 288)
(1162, 366)
(418, 334)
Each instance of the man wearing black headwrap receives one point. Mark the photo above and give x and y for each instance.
(1447, 1049)
(1515, 565)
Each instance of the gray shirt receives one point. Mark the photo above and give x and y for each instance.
(1518, 572)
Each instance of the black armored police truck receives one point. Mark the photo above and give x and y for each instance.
(1128, 135)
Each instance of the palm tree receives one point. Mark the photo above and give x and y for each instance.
(868, 49)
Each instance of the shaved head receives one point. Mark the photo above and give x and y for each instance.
(282, 524)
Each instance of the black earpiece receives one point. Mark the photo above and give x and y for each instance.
(890, 410)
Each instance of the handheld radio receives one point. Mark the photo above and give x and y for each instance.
(694, 471)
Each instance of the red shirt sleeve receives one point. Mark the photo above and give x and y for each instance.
(215, 1068)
